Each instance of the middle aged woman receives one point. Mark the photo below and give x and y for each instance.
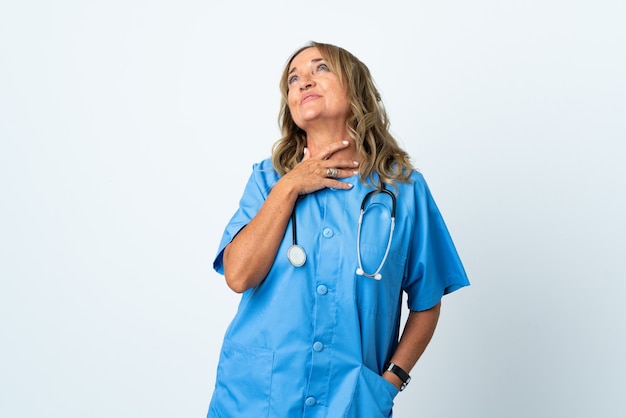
(329, 234)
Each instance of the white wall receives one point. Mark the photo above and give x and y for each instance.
(128, 129)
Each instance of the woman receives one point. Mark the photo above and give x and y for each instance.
(317, 332)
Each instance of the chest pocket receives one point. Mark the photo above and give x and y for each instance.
(379, 296)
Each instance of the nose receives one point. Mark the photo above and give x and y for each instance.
(306, 83)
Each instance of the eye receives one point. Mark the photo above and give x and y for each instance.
(323, 67)
(292, 79)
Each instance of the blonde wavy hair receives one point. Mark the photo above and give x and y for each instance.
(368, 124)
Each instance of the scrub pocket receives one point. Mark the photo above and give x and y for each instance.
(380, 296)
(244, 377)
(373, 396)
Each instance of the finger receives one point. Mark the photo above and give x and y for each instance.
(340, 164)
(332, 148)
(336, 184)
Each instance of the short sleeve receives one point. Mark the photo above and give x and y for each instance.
(434, 267)
(259, 184)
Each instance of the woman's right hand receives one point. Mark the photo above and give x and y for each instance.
(317, 172)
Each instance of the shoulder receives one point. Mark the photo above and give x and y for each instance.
(264, 175)
(415, 193)
(417, 177)
(417, 182)
(263, 166)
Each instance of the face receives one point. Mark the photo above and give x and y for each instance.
(315, 93)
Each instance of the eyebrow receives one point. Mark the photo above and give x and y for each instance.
(314, 60)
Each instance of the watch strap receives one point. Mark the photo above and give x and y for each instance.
(398, 371)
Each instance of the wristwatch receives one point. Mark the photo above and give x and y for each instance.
(397, 370)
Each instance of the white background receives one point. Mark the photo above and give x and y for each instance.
(128, 129)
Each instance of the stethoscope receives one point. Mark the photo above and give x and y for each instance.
(297, 255)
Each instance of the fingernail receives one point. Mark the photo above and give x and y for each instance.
(355, 172)
(305, 150)
(350, 185)
(355, 162)
(345, 142)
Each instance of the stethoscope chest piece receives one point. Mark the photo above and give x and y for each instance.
(296, 255)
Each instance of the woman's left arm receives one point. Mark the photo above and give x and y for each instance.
(418, 331)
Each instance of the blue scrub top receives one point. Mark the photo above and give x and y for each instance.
(312, 341)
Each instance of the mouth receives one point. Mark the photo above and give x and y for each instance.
(308, 98)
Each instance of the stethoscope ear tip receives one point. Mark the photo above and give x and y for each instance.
(360, 272)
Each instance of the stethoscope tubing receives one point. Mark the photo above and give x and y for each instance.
(297, 255)
(359, 271)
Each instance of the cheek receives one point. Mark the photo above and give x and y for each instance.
(341, 98)
(294, 109)
(291, 102)
(343, 104)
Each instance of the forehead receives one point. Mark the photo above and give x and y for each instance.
(305, 57)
